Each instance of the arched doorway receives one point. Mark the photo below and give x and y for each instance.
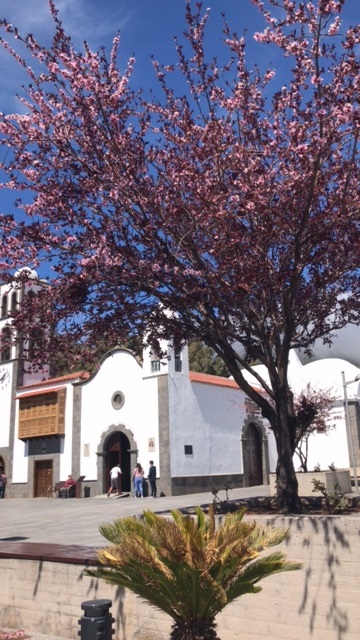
(254, 447)
(255, 456)
(117, 451)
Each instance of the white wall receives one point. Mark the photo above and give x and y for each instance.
(329, 448)
(20, 465)
(119, 372)
(5, 403)
(209, 418)
(66, 454)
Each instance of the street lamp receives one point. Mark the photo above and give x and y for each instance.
(348, 427)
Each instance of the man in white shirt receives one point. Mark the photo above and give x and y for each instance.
(114, 475)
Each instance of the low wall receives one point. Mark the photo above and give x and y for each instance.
(320, 602)
(198, 484)
(340, 477)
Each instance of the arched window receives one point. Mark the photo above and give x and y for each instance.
(178, 361)
(14, 301)
(155, 361)
(255, 453)
(4, 303)
(5, 344)
(35, 343)
(155, 366)
(30, 295)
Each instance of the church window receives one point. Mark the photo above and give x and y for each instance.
(35, 343)
(5, 344)
(14, 301)
(118, 400)
(4, 304)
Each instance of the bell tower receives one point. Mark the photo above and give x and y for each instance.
(15, 355)
(165, 360)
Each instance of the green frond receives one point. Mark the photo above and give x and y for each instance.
(258, 570)
(223, 571)
(264, 537)
(186, 566)
(203, 594)
(153, 590)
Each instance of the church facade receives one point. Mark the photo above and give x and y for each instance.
(200, 430)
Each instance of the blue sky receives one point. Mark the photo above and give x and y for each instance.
(146, 27)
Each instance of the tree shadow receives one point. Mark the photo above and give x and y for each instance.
(324, 547)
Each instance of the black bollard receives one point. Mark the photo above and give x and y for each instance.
(96, 623)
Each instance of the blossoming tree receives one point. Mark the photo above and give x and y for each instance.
(233, 205)
(314, 409)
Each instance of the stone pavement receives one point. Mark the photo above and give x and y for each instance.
(76, 521)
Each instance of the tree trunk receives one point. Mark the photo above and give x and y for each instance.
(287, 497)
(194, 630)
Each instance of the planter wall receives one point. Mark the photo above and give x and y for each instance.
(319, 602)
(329, 478)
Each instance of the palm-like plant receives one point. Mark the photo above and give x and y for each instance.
(188, 567)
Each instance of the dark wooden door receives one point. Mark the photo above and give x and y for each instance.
(113, 457)
(118, 452)
(255, 457)
(43, 478)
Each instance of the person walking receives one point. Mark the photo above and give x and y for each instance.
(114, 479)
(152, 479)
(138, 478)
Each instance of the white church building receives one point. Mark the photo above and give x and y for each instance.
(200, 430)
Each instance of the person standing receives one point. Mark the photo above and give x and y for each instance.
(138, 478)
(114, 479)
(152, 478)
(3, 481)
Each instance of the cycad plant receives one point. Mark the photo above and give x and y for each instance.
(188, 567)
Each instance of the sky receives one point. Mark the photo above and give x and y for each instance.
(146, 27)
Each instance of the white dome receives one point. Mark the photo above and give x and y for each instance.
(321, 374)
(345, 346)
(30, 273)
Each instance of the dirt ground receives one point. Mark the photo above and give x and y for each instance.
(348, 505)
(311, 506)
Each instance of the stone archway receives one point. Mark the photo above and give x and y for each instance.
(255, 453)
(117, 446)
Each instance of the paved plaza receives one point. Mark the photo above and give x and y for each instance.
(76, 521)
